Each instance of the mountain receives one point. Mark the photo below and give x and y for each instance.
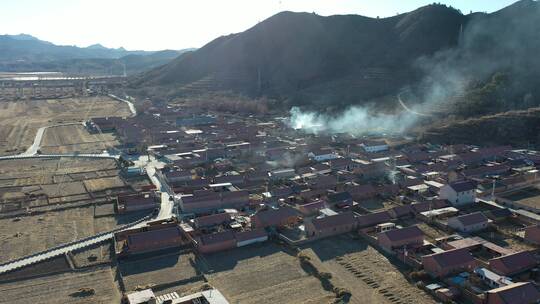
(28, 48)
(311, 56)
(25, 53)
(341, 60)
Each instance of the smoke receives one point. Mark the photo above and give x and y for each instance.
(354, 120)
(505, 41)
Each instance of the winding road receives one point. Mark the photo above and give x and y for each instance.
(151, 165)
(404, 106)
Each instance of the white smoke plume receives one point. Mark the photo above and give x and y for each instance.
(355, 120)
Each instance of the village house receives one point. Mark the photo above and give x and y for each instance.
(398, 238)
(444, 263)
(374, 146)
(459, 193)
(215, 242)
(361, 192)
(428, 206)
(330, 225)
(516, 293)
(244, 238)
(282, 217)
(136, 202)
(491, 278)
(340, 199)
(532, 234)
(320, 155)
(469, 222)
(208, 201)
(512, 264)
(212, 220)
(401, 211)
(372, 219)
(155, 239)
(178, 176)
(312, 207)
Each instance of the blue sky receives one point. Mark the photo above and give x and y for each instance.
(177, 24)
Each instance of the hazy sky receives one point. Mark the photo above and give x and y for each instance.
(177, 24)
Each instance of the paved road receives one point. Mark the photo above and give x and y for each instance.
(129, 103)
(36, 145)
(75, 155)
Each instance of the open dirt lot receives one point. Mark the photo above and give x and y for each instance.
(95, 255)
(163, 271)
(371, 277)
(19, 120)
(529, 197)
(60, 288)
(75, 138)
(29, 234)
(264, 274)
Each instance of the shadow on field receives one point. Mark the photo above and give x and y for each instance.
(228, 260)
(145, 263)
(336, 246)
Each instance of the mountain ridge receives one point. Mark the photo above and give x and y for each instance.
(341, 60)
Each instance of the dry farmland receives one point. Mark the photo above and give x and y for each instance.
(161, 271)
(264, 274)
(34, 183)
(29, 234)
(75, 138)
(370, 276)
(63, 288)
(19, 120)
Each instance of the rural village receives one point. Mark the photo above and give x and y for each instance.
(170, 203)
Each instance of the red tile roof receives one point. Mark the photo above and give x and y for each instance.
(516, 293)
(513, 263)
(451, 258)
(329, 222)
(373, 219)
(403, 233)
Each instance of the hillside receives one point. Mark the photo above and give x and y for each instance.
(349, 59)
(298, 55)
(517, 128)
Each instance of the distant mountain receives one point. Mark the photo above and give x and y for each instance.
(349, 59)
(24, 53)
(28, 48)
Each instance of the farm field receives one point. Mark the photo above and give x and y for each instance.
(162, 271)
(34, 183)
(529, 197)
(264, 274)
(75, 138)
(63, 288)
(17, 134)
(29, 234)
(370, 276)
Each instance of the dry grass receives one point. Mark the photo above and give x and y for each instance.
(30, 234)
(100, 184)
(264, 274)
(18, 134)
(369, 275)
(59, 289)
(56, 181)
(75, 138)
(168, 269)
